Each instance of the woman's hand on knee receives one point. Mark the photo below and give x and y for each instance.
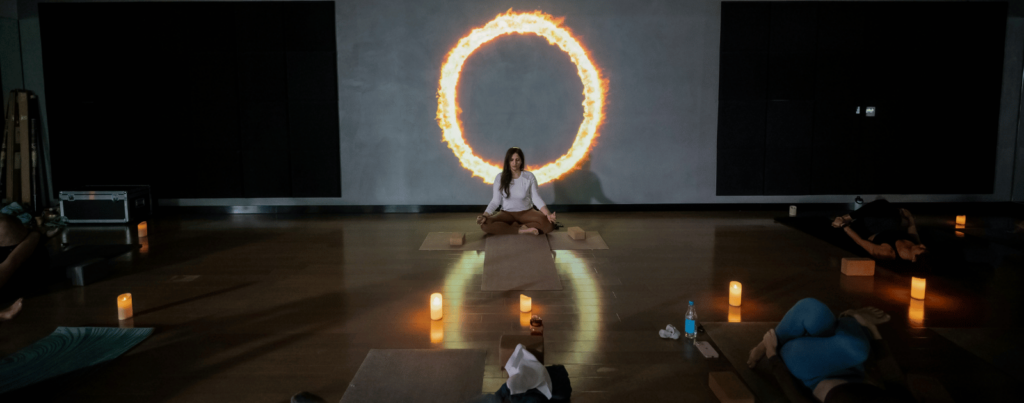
(481, 219)
(551, 217)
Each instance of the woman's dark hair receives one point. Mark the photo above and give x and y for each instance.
(506, 173)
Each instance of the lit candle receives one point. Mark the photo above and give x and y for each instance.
(525, 303)
(124, 306)
(436, 331)
(917, 288)
(143, 229)
(961, 221)
(734, 314)
(735, 293)
(435, 306)
(916, 313)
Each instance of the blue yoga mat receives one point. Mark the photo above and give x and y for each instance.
(65, 350)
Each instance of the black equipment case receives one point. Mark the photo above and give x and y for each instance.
(106, 204)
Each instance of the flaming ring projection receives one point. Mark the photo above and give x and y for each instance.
(548, 27)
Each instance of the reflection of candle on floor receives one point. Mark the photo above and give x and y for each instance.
(124, 306)
(959, 234)
(735, 293)
(525, 303)
(917, 288)
(143, 229)
(916, 313)
(436, 331)
(145, 245)
(734, 314)
(524, 319)
(961, 221)
(435, 306)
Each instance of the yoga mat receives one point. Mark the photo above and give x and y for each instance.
(65, 350)
(439, 241)
(443, 376)
(946, 253)
(998, 346)
(562, 241)
(734, 341)
(519, 262)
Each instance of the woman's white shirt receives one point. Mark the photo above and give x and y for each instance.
(523, 194)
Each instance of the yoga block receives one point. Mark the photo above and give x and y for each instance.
(858, 266)
(729, 388)
(577, 233)
(457, 239)
(508, 343)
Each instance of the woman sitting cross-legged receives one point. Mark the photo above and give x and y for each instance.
(878, 228)
(515, 189)
(812, 351)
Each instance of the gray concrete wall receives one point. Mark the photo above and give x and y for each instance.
(658, 141)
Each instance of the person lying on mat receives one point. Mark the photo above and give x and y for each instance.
(515, 190)
(23, 259)
(878, 228)
(812, 351)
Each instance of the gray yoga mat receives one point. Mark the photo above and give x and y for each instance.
(439, 241)
(519, 262)
(562, 241)
(65, 350)
(443, 376)
(998, 346)
(734, 341)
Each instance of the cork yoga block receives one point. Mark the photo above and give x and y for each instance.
(577, 233)
(858, 266)
(457, 239)
(728, 388)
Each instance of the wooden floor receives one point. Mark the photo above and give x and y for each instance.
(254, 308)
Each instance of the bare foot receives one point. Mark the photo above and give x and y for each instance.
(756, 354)
(528, 230)
(867, 314)
(8, 314)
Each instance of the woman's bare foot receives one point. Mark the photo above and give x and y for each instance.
(8, 314)
(867, 314)
(527, 230)
(756, 354)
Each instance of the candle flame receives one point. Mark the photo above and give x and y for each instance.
(548, 27)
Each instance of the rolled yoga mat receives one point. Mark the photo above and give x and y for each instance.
(735, 340)
(439, 241)
(562, 241)
(65, 350)
(442, 376)
(519, 262)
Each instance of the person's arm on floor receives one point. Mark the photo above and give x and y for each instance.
(871, 248)
(22, 252)
(912, 228)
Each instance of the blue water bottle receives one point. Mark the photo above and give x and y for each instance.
(691, 322)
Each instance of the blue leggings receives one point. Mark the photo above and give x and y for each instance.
(815, 346)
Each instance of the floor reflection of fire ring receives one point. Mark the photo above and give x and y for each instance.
(547, 27)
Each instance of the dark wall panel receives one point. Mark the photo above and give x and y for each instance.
(202, 92)
(932, 72)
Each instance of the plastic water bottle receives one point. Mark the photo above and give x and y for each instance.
(691, 322)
